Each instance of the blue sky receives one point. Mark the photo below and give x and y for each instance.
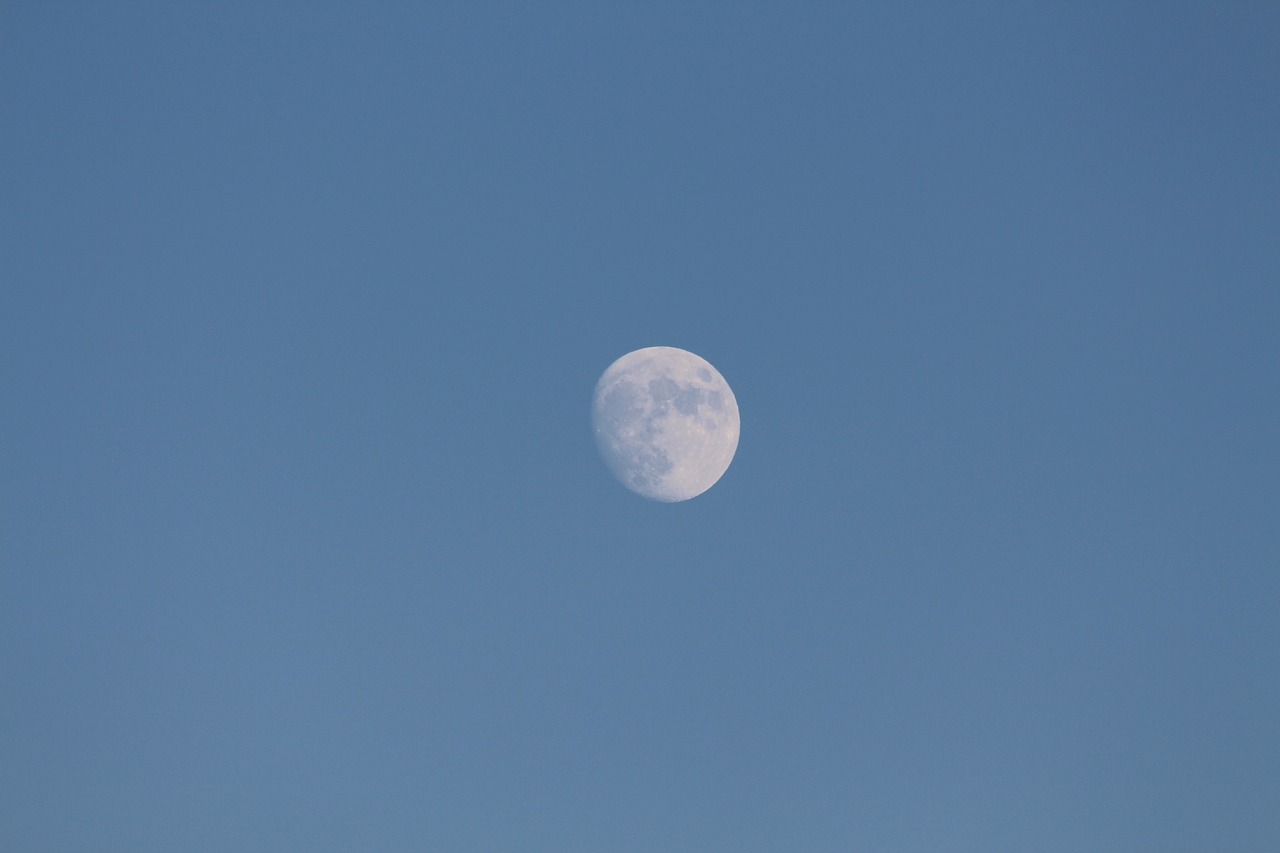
(305, 542)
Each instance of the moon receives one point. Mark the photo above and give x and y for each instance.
(666, 423)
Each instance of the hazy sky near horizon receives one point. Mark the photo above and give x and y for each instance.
(304, 541)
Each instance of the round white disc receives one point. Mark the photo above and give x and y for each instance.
(666, 422)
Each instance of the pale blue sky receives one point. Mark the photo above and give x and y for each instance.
(306, 545)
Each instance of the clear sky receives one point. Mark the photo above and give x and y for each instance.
(305, 542)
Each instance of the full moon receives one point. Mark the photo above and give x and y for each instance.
(666, 423)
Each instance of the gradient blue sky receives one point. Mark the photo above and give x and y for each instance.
(306, 545)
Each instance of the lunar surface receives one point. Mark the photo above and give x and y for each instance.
(666, 423)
